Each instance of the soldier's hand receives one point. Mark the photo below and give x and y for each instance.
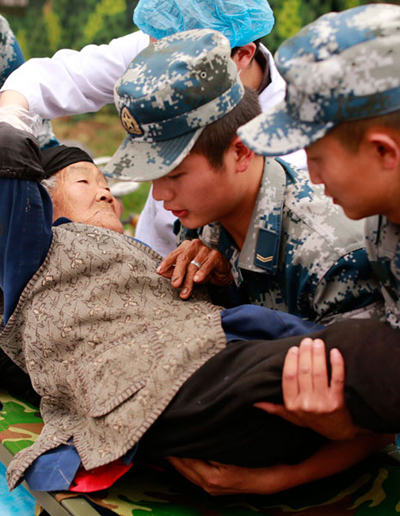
(194, 262)
(310, 399)
(225, 479)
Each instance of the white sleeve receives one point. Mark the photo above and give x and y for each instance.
(156, 226)
(73, 82)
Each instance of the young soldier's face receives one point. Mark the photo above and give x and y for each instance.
(197, 193)
(350, 178)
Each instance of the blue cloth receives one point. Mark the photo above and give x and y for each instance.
(252, 322)
(26, 215)
(54, 470)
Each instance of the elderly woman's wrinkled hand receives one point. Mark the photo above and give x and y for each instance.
(194, 262)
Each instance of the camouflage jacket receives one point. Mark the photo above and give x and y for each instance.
(106, 341)
(383, 247)
(301, 254)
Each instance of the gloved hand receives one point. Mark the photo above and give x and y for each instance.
(19, 117)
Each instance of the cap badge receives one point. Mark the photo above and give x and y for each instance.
(129, 122)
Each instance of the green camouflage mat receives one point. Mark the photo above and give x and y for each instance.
(20, 423)
(371, 488)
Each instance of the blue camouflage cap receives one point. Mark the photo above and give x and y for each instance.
(344, 66)
(170, 92)
(241, 21)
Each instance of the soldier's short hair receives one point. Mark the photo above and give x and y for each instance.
(214, 141)
(350, 134)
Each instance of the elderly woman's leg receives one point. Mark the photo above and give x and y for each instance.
(213, 417)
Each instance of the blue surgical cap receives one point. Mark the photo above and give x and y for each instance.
(241, 21)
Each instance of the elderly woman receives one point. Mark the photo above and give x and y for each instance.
(78, 189)
(78, 192)
(116, 356)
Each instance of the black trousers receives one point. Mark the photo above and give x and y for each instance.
(212, 417)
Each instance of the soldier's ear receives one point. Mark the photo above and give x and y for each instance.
(244, 55)
(243, 154)
(385, 147)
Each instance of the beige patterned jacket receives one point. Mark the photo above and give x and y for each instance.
(107, 343)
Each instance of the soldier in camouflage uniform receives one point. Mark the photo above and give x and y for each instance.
(289, 247)
(343, 105)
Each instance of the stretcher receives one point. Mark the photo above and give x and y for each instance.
(372, 488)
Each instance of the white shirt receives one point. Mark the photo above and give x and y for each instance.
(73, 82)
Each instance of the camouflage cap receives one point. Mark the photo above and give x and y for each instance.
(344, 66)
(11, 56)
(170, 92)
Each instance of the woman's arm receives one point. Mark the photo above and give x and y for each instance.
(72, 82)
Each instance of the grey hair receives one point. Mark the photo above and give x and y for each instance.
(50, 183)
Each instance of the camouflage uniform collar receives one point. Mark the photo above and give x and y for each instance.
(380, 231)
(373, 228)
(260, 252)
(383, 248)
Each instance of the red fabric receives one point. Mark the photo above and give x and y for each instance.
(100, 478)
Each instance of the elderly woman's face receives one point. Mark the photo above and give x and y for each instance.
(82, 195)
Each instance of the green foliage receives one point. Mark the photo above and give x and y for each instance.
(49, 25)
(22, 38)
(134, 202)
(350, 3)
(31, 30)
(52, 22)
(97, 20)
(289, 19)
